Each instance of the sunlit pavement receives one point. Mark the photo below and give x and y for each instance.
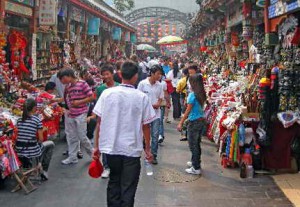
(290, 185)
(70, 186)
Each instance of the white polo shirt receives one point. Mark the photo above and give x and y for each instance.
(154, 92)
(123, 111)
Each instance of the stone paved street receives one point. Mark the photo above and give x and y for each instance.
(70, 186)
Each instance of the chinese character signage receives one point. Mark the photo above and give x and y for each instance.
(33, 56)
(26, 2)
(47, 12)
(18, 9)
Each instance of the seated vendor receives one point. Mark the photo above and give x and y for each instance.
(28, 145)
(50, 88)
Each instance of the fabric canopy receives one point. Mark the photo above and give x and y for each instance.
(171, 40)
(145, 47)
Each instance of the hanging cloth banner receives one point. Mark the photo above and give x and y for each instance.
(47, 13)
(133, 38)
(117, 32)
(93, 26)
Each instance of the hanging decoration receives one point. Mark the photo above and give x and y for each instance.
(93, 26)
(235, 39)
(18, 46)
(117, 32)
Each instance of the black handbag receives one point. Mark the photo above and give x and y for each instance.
(295, 146)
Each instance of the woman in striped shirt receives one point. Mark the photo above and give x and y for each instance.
(27, 145)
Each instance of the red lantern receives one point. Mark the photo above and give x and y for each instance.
(203, 48)
(235, 39)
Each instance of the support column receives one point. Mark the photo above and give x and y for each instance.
(68, 20)
(34, 20)
(85, 26)
(266, 17)
(2, 14)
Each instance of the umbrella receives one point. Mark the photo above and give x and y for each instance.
(171, 40)
(145, 47)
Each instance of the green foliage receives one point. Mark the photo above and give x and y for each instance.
(123, 5)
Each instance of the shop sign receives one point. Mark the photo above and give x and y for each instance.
(26, 2)
(47, 13)
(77, 14)
(33, 57)
(280, 8)
(18, 9)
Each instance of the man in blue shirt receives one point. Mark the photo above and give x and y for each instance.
(166, 66)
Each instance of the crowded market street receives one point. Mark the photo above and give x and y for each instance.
(169, 186)
(124, 103)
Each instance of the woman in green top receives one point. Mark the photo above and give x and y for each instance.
(195, 115)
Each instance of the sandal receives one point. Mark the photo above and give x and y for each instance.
(79, 155)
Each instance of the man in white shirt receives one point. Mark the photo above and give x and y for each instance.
(60, 88)
(144, 65)
(154, 90)
(124, 115)
(152, 62)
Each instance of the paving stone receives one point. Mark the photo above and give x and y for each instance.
(70, 186)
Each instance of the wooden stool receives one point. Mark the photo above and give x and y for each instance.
(23, 177)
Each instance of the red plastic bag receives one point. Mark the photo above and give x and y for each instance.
(170, 87)
(95, 169)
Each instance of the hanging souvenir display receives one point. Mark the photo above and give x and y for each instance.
(18, 45)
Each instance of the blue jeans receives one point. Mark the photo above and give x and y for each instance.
(154, 136)
(195, 129)
(161, 122)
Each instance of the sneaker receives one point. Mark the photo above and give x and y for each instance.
(168, 121)
(44, 175)
(160, 139)
(154, 162)
(66, 153)
(193, 171)
(105, 173)
(189, 164)
(68, 161)
(79, 155)
(184, 139)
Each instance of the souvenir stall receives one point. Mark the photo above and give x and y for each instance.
(283, 90)
(9, 162)
(231, 126)
(13, 94)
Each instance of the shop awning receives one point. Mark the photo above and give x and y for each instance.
(105, 12)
